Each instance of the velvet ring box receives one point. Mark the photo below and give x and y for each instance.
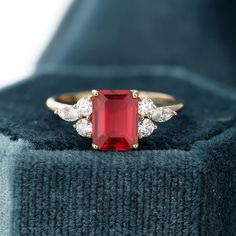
(180, 182)
(182, 179)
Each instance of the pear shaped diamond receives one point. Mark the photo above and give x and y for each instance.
(68, 113)
(162, 114)
(145, 128)
(84, 127)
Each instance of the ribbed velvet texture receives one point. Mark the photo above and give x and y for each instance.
(182, 179)
(180, 182)
(140, 193)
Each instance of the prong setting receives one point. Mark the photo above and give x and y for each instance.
(89, 135)
(135, 93)
(94, 146)
(89, 117)
(147, 115)
(140, 136)
(94, 93)
(175, 113)
(140, 117)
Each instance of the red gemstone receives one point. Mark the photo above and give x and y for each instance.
(115, 115)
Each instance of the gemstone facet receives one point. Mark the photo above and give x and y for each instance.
(68, 113)
(146, 106)
(84, 106)
(114, 119)
(145, 128)
(84, 127)
(162, 114)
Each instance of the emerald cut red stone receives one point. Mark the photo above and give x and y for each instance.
(114, 118)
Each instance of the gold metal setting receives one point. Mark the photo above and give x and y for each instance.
(94, 146)
(95, 92)
(135, 93)
(160, 100)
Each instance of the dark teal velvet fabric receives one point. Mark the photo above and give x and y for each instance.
(198, 34)
(182, 179)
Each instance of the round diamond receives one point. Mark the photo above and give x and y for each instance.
(68, 113)
(145, 128)
(145, 107)
(84, 127)
(162, 114)
(84, 106)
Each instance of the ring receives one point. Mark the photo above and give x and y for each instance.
(115, 119)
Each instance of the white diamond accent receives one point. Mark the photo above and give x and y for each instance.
(68, 113)
(145, 128)
(84, 127)
(162, 114)
(145, 107)
(84, 106)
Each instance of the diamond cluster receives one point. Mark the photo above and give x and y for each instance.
(81, 111)
(146, 107)
(162, 114)
(84, 127)
(84, 106)
(145, 128)
(68, 113)
(149, 113)
(146, 110)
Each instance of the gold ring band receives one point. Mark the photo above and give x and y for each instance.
(115, 119)
(160, 99)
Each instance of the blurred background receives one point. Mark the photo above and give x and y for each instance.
(195, 36)
(186, 48)
(26, 28)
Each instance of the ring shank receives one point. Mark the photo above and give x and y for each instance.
(160, 99)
